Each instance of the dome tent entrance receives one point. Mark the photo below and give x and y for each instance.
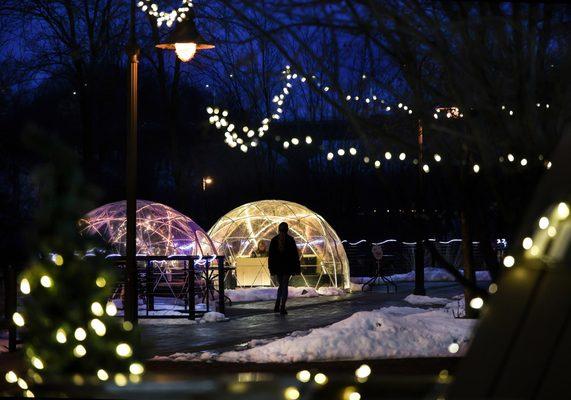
(324, 262)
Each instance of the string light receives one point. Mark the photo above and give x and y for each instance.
(179, 14)
(102, 375)
(509, 262)
(123, 350)
(46, 281)
(80, 334)
(61, 337)
(453, 347)
(303, 376)
(25, 286)
(320, 378)
(18, 319)
(527, 243)
(97, 309)
(476, 303)
(79, 351)
(291, 393)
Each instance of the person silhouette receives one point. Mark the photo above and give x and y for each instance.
(283, 262)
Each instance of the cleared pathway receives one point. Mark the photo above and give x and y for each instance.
(258, 321)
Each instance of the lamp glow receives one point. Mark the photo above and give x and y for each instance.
(185, 51)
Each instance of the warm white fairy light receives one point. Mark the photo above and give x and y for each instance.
(291, 393)
(426, 168)
(102, 375)
(527, 243)
(377, 164)
(98, 326)
(37, 362)
(341, 152)
(308, 140)
(169, 18)
(80, 334)
(523, 162)
(25, 286)
(476, 168)
(320, 378)
(402, 156)
(11, 377)
(388, 155)
(303, 376)
(330, 156)
(61, 337)
(353, 151)
(18, 319)
(437, 157)
(476, 303)
(363, 371)
(543, 223)
(111, 309)
(46, 281)
(123, 350)
(453, 347)
(79, 351)
(562, 210)
(509, 261)
(97, 309)
(511, 157)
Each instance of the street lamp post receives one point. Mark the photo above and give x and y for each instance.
(186, 41)
(419, 249)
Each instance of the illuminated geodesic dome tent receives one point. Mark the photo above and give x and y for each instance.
(323, 259)
(161, 230)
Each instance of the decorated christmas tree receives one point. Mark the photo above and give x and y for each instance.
(70, 331)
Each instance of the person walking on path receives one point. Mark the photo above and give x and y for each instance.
(283, 262)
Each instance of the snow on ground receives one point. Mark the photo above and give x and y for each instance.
(425, 300)
(430, 275)
(211, 316)
(391, 332)
(269, 293)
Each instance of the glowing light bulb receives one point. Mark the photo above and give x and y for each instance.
(25, 286)
(426, 168)
(79, 351)
(37, 363)
(476, 168)
(353, 151)
(111, 309)
(366, 160)
(303, 376)
(476, 303)
(136, 368)
(527, 243)
(437, 157)
(453, 348)
(97, 309)
(308, 139)
(100, 282)
(402, 156)
(123, 350)
(46, 281)
(509, 262)
(543, 223)
(363, 371)
(320, 379)
(11, 377)
(562, 210)
(341, 152)
(388, 155)
(61, 337)
(330, 156)
(80, 334)
(98, 327)
(120, 379)
(377, 164)
(18, 319)
(102, 375)
(291, 393)
(185, 51)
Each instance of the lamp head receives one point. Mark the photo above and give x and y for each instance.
(185, 40)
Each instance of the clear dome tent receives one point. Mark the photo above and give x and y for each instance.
(324, 262)
(161, 230)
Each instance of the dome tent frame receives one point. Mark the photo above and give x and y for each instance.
(238, 232)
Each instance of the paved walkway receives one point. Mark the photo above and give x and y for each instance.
(258, 321)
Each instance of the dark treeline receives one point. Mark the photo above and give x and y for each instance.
(63, 72)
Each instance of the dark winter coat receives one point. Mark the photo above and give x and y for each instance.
(284, 262)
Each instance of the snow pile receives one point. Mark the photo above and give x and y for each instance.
(213, 316)
(269, 293)
(330, 291)
(430, 275)
(392, 332)
(426, 300)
